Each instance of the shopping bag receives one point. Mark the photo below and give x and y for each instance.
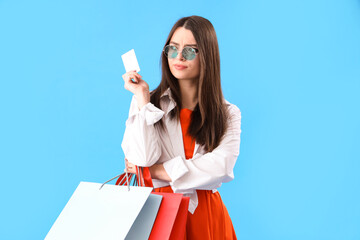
(111, 212)
(171, 219)
(143, 224)
(179, 228)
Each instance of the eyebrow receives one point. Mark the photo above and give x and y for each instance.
(195, 45)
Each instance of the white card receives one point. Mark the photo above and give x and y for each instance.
(130, 61)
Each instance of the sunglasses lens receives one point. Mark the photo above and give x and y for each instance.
(171, 51)
(189, 53)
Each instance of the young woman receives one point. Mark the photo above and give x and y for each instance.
(185, 130)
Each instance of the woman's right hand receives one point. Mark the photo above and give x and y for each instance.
(138, 87)
(129, 167)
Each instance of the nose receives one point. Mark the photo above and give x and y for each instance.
(180, 56)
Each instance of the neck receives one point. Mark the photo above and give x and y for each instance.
(189, 92)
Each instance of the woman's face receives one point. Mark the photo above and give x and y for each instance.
(181, 68)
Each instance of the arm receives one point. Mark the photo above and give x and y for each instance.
(207, 171)
(140, 143)
(157, 171)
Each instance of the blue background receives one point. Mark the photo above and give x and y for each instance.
(292, 67)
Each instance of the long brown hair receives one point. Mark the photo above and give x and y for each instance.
(209, 118)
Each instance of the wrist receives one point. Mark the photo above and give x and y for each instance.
(143, 98)
(157, 171)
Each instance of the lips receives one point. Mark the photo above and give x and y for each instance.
(179, 67)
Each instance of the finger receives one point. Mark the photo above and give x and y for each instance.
(135, 74)
(132, 73)
(133, 78)
(128, 75)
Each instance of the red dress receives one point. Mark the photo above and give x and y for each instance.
(210, 220)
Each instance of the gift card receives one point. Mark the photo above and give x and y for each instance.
(130, 61)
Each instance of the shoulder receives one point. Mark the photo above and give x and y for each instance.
(233, 110)
(234, 118)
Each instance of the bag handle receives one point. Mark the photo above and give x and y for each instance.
(125, 178)
(141, 178)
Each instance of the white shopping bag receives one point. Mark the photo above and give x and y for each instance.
(107, 213)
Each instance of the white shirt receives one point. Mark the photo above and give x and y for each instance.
(145, 144)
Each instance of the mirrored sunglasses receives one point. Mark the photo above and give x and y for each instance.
(189, 53)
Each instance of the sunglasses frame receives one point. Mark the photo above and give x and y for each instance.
(177, 52)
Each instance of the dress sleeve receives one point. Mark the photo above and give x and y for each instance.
(141, 141)
(208, 171)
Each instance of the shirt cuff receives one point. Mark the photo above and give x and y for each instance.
(175, 168)
(149, 112)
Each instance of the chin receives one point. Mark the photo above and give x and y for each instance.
(180, 78)
(184, 76)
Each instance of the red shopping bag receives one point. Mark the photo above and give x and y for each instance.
(170, 222)
(179, 228)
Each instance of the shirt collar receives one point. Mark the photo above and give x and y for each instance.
(167, 93)
(170, 104)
